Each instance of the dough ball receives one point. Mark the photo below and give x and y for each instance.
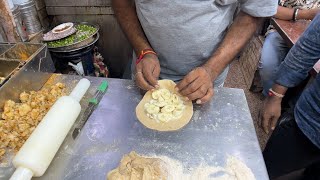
(135, 167)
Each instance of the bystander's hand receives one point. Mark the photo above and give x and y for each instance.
(308, 13)
(270, 113)
(313, 13)
(197, 85)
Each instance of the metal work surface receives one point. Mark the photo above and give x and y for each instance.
(220, 128)
(223, 127)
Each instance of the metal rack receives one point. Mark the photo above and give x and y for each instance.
(23, 64)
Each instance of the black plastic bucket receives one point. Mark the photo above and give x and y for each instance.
(85, 55)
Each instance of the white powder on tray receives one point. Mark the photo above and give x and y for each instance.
(233, 170)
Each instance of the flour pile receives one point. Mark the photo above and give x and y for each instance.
(234, 170)
(136, 167)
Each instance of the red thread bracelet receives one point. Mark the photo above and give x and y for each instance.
(273, 93)
(143, 53)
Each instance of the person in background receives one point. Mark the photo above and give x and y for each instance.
(275, 49)
(188, 41)
(295, 141)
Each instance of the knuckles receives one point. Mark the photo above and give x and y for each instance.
(193, 87)
(203, 91)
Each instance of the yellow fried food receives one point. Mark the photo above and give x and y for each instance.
(18, 120)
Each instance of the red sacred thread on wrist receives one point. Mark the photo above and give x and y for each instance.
(143, 53)
(273, 93)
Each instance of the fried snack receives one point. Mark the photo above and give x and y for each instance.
(18, 120)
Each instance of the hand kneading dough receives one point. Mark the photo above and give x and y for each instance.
(171, 125)
(135, 167)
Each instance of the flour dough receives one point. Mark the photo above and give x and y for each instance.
(135, 167)
(164, 125)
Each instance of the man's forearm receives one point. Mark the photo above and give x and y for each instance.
(284, 13)
(307, 13)
(236, 38)
(129, 22)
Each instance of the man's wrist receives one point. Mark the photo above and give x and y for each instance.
(274, 93)
(210, 71)
(140, 48)
(275, 99)
(145, 53)
(279, 89)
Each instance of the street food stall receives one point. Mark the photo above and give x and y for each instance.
(217, 141)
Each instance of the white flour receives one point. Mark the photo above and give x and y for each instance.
(233, 170)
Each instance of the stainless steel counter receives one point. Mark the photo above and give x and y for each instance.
(220, 128)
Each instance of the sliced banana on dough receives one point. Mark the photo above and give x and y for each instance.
(175, 99)
(153, 109)
(180, 106)
(164, 117)
(177, 112)
(152, 116)
(160, 104)
(165, 94)
(167, 109)
(164, 106)
(155, 94)
(161, 99)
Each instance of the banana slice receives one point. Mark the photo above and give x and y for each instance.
(180, 106)
(152, 109)
(152, 101)
(152, 116)
(165, 94)
(175, 99)
(161, 99)
(177, 113)
(168, 109)
(164, 117)
(155, 94)
(160, 104)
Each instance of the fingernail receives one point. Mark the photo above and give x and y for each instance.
(187, 99)
(157, 86)
(198, 101)
(177, 89)
(272, 128)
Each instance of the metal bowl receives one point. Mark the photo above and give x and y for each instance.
(91, 41)
(76, 44)
(7, 68)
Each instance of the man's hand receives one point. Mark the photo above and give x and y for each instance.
(197, 85)
(270, 113)
(147, 72)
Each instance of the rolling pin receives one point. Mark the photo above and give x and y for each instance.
(36, 154)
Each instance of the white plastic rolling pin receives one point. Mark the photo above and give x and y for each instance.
(36, 154)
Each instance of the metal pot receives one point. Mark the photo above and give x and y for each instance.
(30, 17)
(18, 20)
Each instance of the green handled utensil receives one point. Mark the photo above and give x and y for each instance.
(93, 102)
